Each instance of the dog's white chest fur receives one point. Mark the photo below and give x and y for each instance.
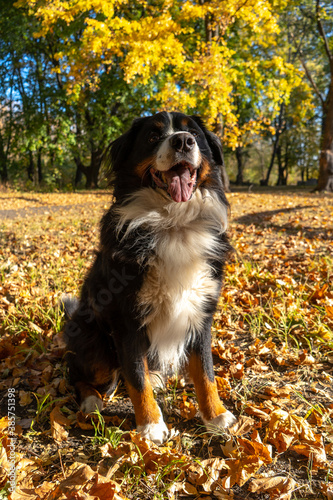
(179, 280)
(173, 296)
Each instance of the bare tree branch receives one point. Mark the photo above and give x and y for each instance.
(311, 80)
(323, 35)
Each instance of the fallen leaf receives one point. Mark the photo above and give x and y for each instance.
(25, 398)
(242, 426)
(327, 489)
(280, 488)
(312, 449)
(187, 409)
(58, 421)
(240, 471)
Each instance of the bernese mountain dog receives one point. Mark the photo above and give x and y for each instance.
(148, 300)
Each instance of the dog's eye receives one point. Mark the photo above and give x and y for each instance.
(194, 133)
(153, 137)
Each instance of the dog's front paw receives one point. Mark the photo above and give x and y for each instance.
(158, 433)
(90, 404)
(222, 421)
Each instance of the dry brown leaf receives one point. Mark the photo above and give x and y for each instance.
(285, 430)
(212, 469)
(252, 448)
(240, 471)
(35, 327)
(25, 398)
(187, 409)
(314, 450)
(3, 423)
(237, 370)
(258, 412)
(242, 426)
(257, 365)
(230, 448)
(319, 293)
(83, 421)
(305, 359)
(4, 462)
(279, 488)
(58, 421)
(327, 489)
(329, 311)
(223, 387)
(79, 476)
(279, 392)
(228, 353)
(329, 449)
(189, 489)
(240, 447)
(255, 447)
(314, 417)
(103, 488)
(221, 495)
(45, 489)
(260, 348)
(24, 494)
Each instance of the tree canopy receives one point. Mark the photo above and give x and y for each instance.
(76, 73)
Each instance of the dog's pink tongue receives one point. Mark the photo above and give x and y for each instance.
(179, 182)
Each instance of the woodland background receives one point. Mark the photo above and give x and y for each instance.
(74, 74)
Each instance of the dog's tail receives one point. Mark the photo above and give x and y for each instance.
(69, 305)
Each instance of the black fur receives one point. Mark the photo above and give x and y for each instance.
(106, 331)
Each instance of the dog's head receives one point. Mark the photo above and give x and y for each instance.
(172, 152)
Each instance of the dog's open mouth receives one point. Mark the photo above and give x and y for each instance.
(178, 181)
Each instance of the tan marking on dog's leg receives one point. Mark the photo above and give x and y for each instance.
(148, 416)
(209, 401)
(213, 413)
(145, 406)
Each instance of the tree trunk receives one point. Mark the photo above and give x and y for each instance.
(39, 166)
(279, 130)
(91, 172)
(282, 178)
(89, 178)
(95, 163)
(3, 171)
(79, 168)
(78, 176)
(3, 163)
(31, 167)
(325, 180)
(218, 130)
(240, 165)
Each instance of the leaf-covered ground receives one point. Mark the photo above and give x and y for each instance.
(273, 349)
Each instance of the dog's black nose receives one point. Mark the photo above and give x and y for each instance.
(182, 142)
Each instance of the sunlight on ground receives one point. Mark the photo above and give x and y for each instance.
(273, 360)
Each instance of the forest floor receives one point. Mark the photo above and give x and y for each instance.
(273, 350)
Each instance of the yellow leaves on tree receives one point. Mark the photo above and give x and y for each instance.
(189, 54)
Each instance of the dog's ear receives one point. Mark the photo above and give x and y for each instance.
(117, 151)
(213, 141)
(110, 158)
(215, 145)
(69, 305)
